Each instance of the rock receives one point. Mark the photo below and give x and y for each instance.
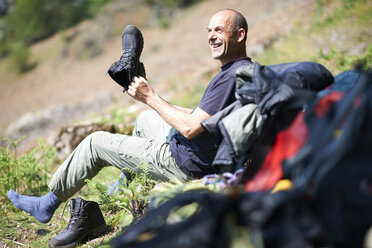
(264, 44)
(46, 123)
(70, 136)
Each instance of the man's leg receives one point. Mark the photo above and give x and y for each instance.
(150, 125)
(102, 149)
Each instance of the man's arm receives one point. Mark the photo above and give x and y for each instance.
(182, 119)
(186, 110)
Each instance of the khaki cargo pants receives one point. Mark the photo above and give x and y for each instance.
(99, 149)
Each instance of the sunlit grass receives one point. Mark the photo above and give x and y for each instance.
(322, 42)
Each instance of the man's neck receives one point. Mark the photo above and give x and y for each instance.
(241, 55)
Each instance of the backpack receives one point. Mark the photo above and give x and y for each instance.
(330, 200)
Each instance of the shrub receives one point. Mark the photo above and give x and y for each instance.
(31, 21)
(365, 60)
(19, 59)
(338, 61)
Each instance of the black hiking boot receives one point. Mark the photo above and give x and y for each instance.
(128, 66)
(86, 222)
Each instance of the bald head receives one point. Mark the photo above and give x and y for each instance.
(237, 20)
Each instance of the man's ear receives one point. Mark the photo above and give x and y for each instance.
(240, 35)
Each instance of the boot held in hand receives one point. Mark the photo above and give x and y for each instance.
(129, 66)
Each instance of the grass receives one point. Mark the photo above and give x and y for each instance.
(188, 97)
(283, 51)
(330, 39)
(21, 229)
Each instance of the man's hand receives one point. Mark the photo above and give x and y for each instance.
(140, 90)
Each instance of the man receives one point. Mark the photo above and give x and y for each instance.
(189, 151)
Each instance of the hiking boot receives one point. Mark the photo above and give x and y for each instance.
(86, 222)
(128, 66)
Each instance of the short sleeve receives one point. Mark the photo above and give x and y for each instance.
(218, 95)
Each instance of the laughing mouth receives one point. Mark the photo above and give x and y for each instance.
(215, 45)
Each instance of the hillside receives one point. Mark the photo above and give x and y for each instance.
(67, 84)
(70, 80)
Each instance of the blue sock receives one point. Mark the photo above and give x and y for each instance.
(42, 208)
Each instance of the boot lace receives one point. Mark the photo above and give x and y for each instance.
(126, 59)
(75, 215)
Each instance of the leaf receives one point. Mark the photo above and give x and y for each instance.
(126, 219)
(127, 192)
(116, 221)
(138, 189)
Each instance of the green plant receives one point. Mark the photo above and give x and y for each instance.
(348, 8)
(365, 60)
(19, 59)
(31, 21)
(130, 199)
(27, 173)
(338, 61)
(335, 60)
(27, 22)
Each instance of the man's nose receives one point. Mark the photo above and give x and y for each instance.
(211, 36)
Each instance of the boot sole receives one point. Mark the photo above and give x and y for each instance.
(131, 29)
(97, 231)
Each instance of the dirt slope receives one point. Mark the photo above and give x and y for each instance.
(177, 54)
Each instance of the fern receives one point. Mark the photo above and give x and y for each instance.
(130, 199)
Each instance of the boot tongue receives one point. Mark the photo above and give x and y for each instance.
(76, 204)
(76, 207)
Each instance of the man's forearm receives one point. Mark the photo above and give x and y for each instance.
(178, 117)
(186, 110)
(184, 120)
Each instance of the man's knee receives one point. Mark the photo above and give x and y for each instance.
(96, 138)
(97, 135)
(146, 116)
(143, 120)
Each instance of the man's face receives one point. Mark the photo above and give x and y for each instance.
(220, 37)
